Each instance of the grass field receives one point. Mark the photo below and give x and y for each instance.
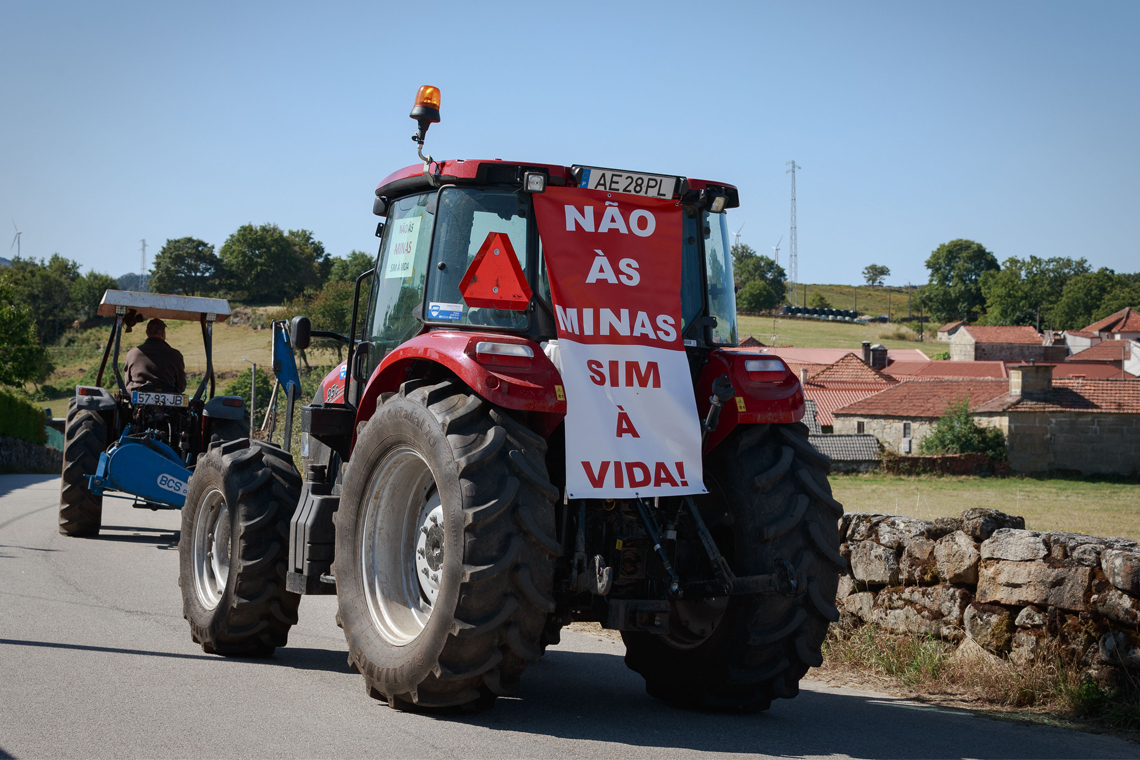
(810, 333)
(1093, 508)
(864, 299)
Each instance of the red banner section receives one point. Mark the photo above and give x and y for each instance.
(615, 276)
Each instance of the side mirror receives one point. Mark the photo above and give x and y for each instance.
(380, 206)
(299, 333)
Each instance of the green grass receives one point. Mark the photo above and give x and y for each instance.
(861, 298)
(810, 333)
(1077, 506)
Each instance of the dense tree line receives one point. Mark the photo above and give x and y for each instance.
(1059, 293)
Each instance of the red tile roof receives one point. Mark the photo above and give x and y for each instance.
(1105, 351)
(951, 325)
(1076, 395)
(796, 355)
(1098, 370)
(827, 400)
(1081, 333)
(945, 368)
(850, 369)
(750, 342)
(925, 399)
(1002, 334)
(1125, 320)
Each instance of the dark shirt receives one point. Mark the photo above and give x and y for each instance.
(156, 364)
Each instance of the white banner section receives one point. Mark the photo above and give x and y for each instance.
(631, 420)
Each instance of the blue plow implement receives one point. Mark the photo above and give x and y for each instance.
(142, 467)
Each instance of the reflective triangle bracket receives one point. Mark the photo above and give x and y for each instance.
(494, 280)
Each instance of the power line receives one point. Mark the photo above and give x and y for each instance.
(793, 256)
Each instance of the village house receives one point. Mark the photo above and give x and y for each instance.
(1006, 344)
(1074, 424)
(903, 414)
(1122, 356)
(1123, 325)
(848, 453)
(840, 384)
(947, 331)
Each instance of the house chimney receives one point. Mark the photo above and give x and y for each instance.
(1030, 380)
(878, 356)
(867, 352)
(803, 376)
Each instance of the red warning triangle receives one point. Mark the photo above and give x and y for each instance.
(494, 280)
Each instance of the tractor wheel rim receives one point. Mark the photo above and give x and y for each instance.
(402, 546)
(211, 549)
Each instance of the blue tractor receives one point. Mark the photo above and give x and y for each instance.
(142, 444)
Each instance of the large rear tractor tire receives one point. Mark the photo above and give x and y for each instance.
(228, 430)
(769, 500)
(444, 549)
(234, 549)
(84, 439)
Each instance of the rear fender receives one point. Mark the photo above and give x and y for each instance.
(217, 408)
(535, 387)
(761, 398)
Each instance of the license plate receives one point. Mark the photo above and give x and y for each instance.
(159, 399)
(617, 181)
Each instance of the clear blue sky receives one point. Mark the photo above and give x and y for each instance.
(1013, 124)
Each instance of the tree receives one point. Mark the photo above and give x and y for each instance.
(1120, 296)
(1082, 297)
(954, 290)
(1025, 292)
(264, 264)
(957, 432)
(874, 274)
(87, 292)
(740, 252)
(44, 289)
(186, 266)
(818, 301)
(351, 266)
(756, 296)
(22, 356)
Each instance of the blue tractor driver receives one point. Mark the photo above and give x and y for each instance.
(155, 365)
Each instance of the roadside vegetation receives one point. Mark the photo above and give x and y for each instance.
(1052, 686)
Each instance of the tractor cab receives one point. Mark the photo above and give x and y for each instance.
(142, 443)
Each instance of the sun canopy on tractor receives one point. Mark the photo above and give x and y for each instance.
(151, 305)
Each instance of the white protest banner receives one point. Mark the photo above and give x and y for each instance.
(632, 427)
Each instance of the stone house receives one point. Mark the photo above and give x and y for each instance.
(1086, 425)
(947, 331)
(1006, 344)
(903, 414)
(848, 453)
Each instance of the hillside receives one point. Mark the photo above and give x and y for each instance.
(864, 299)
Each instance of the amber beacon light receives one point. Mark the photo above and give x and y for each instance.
(426, 108)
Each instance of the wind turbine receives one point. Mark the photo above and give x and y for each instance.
(16, 239)
(736, 235)
(776, 248)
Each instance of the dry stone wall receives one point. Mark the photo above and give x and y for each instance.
(20, 456)
(982, 576)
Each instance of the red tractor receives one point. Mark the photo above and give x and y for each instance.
(442, 499)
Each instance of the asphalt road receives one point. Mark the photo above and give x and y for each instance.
(96, 661)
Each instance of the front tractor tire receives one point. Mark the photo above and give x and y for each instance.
(768, 500)
(445, 549)
(234, 549)
(84, 440)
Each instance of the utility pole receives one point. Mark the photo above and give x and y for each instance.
(144, 286)
(793, 254)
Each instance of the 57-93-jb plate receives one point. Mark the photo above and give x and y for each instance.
(633, 183)
(159, 399)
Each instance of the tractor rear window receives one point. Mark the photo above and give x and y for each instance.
(465, 217)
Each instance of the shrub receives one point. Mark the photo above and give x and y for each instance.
(819, 301)
(240, 386)
(20, 419)
(958, 433)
